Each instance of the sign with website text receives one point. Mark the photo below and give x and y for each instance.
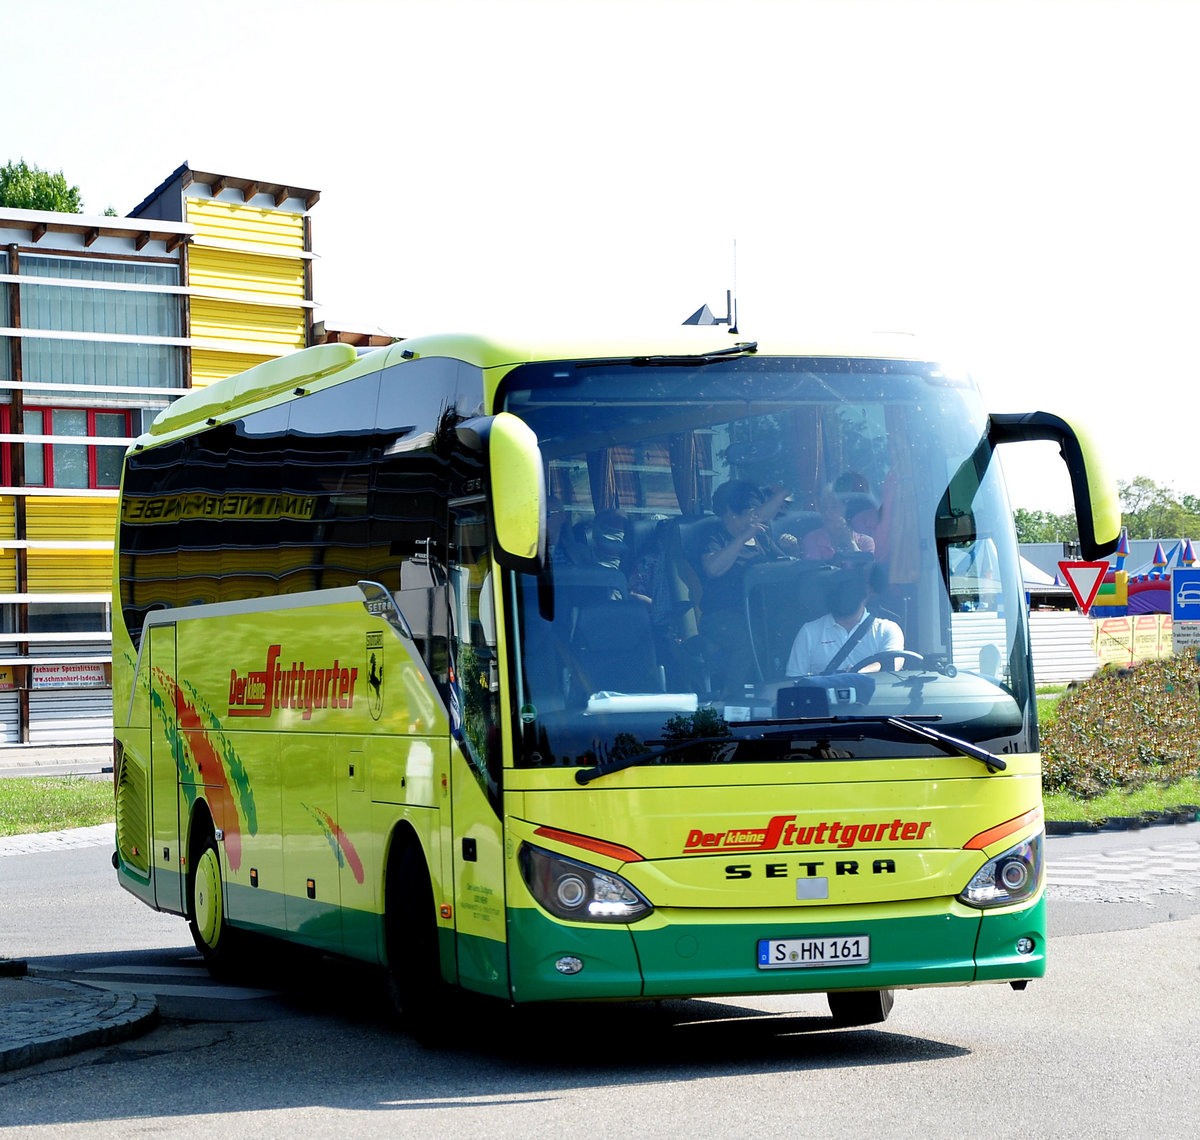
(65, 675)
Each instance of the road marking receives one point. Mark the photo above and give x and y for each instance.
(1169, 868)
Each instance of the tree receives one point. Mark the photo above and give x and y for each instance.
(1152, 511)
(1045, 526)
(24, 187)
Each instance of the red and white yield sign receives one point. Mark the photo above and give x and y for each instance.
(1084, 578)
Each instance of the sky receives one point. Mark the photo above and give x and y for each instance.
(1015, 181)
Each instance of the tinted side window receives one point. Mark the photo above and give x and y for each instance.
(319, 492)
(148, 557)
(408, 541)
(331, 445)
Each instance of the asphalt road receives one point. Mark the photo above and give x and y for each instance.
(1104, 1046)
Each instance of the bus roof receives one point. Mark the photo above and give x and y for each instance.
(313, 368)
(505, 351)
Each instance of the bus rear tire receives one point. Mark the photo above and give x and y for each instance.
(206, 908)
(861, 1007)
(414, 973)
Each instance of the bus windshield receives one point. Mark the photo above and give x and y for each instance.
(754, 558)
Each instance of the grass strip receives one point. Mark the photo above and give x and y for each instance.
(33, 804)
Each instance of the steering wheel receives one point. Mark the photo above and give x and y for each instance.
(890, 655)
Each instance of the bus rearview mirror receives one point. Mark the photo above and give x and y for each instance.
(517, 502)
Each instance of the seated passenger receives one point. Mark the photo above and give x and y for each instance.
(845, 636)
(561, 545)
(836, 538)
(741, 542)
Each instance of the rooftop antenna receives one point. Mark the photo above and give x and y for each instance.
(705, 316)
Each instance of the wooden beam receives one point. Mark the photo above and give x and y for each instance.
(220, 184)
(282, 194)
(141, 240)
(38, 232)
(91, 236)
(249, 191)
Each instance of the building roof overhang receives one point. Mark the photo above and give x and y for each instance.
(249, 188)
(39, 223)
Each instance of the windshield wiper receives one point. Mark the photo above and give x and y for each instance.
(607, 767)
(912, 725)
(742, 348)
(682, 360)
(950, 745)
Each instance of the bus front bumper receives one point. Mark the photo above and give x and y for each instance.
(704, 953)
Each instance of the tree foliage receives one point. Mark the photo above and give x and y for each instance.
(1045, 526)
(1153, 511)
(1148, 510)
(24, 187)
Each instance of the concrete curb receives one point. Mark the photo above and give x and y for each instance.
(72, 1019)
(29, 760)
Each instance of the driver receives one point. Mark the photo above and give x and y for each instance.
(845, 636)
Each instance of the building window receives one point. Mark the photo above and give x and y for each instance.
(70, 617)
(124, 303)
(70, 465)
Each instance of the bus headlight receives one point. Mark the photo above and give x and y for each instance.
(573, 890)
(1011, 877)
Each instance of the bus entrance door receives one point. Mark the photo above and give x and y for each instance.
(478, 844)
(165, 742)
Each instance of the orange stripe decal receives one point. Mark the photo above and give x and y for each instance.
(1009, 827)
(600, 846)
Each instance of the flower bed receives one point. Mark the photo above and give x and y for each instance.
(1124, 729)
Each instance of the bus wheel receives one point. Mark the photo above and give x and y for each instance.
(860, 1008)
(206, 908)
(414, 975)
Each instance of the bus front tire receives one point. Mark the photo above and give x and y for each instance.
(861, 1007)
(414, 974)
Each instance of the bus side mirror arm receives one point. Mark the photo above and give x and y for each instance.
(1097, 506)
(516, 501)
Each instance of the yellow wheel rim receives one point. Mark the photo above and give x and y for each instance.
(208, 904)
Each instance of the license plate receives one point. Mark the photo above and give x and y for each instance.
(792, 953)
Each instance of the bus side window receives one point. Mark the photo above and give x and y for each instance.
(473, 643)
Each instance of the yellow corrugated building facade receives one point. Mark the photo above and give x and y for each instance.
(103, 322)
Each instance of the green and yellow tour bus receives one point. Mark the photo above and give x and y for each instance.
(510, 667)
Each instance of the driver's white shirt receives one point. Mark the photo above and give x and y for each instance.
(819, 641)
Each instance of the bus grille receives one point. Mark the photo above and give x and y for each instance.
(133, 835)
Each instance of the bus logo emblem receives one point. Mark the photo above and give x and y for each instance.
(375, 674)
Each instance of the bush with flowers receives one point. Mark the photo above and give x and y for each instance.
(1125, 728)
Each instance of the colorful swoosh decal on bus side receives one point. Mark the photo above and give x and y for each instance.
(236, 770)
(170, 727)
(199, 758)
(338, 840)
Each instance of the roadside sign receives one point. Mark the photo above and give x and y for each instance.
(1085, 578)
(1185, 608)
(1185, 593)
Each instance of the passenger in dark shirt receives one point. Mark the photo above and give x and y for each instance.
(743, 540)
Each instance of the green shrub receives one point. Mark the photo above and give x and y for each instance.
(1125, 728)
